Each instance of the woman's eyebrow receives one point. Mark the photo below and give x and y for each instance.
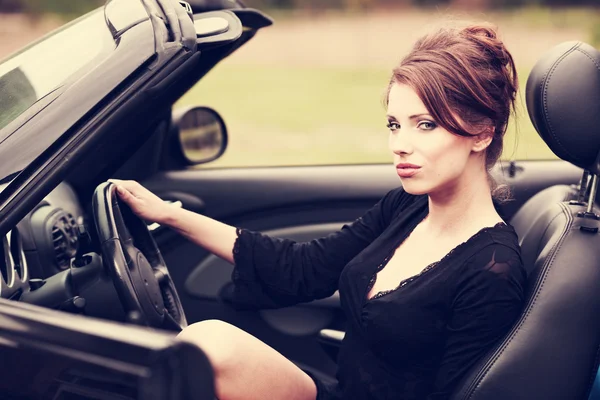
(419, 115)
(391, 117)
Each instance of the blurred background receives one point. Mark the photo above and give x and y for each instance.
(309, 89)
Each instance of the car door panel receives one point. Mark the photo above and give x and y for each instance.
(188, 201)
(237, 193)
(209, 279)
(300, 203)
(241, 192)
(271, 326)
(201, 279)
(210, 276)
(49, 354)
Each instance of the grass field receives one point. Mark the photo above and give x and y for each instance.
(308, 91)
(298, 116)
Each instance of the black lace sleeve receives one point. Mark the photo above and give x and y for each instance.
(272, 273)
(489, 298)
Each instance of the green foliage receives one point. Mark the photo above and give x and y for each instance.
(595, 33)
(11, 5)
(78, 7)
(362, 4)
(430, 3)
(39, 7)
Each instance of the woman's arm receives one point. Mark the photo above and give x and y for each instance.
(214, 236)
(489, 299)
(271, 272)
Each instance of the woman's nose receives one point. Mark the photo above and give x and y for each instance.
(400, 143)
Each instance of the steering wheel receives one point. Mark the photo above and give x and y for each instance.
(134, 263)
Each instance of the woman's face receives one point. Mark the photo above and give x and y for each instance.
(427, 157)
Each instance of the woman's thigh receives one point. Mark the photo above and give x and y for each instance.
(245, 367)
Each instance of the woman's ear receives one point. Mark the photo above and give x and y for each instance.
(483, 140)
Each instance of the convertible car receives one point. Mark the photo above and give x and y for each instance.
(92, 297)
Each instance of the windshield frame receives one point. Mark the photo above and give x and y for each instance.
(42, 75)
(33, 132)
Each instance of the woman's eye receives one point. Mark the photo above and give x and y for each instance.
(393, 126)
(427, 125)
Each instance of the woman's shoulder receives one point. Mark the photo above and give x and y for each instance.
(500, 237)
(497, 254)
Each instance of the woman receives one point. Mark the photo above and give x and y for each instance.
(430, 277)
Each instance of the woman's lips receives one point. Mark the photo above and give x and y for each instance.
(407, 172)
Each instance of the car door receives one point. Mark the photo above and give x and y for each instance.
(49, 354)
(299, 203)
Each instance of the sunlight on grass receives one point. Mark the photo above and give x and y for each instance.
(315, 116)
(544, 17)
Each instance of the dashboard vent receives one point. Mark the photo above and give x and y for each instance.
(64, 240)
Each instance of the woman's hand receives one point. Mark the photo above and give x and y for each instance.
(214, 236)
(143, 202)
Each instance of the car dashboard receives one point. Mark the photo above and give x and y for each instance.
(44, 256)
(14, 278)
(42, 244)
(50, 232)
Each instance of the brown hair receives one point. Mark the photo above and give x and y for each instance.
(467, 72)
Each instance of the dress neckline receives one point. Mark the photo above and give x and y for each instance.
(428, 268)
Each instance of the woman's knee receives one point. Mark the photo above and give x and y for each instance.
(241, 361)
(218, 340)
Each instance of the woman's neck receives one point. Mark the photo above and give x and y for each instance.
(462, 207)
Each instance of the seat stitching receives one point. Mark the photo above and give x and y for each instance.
(588, 55)
(543, 233)
(519, 325)
(515, 330)
(544, 87)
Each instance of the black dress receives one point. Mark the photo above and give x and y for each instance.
(414, 342)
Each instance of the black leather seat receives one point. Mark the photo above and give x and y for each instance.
(552, 352)
(526, 216)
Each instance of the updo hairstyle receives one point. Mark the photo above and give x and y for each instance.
(467, 80)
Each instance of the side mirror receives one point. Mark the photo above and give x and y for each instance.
(202, 134)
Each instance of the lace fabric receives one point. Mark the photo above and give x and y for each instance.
(236, 244)
(428, 267)
(236, 252)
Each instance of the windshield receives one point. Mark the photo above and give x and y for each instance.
(42, 67)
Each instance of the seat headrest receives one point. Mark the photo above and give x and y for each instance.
(563, 101)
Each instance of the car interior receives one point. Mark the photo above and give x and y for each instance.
(74, 253)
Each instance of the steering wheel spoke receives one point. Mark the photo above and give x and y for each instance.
(170, 323)
(129, 251)
(161, 276)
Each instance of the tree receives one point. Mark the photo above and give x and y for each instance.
(38, 7)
